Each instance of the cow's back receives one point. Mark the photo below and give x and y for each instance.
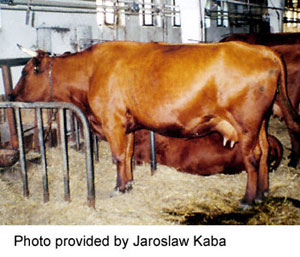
(268, 39)
(168, 84)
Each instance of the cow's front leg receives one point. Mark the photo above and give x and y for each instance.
(122, 149)
(111, 117)
(128, 160)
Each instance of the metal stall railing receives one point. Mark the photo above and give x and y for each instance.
(152, 153)
(16, 133)
(61, 107)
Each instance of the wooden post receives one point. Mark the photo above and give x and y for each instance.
(7, 81)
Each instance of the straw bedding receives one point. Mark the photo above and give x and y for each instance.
(168, 197)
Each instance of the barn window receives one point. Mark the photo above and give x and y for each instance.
(222, 14)
(217, 10)
(175, 13)
(146, 13)
(110, 12)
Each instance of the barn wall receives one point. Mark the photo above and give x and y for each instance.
(58, 32)
(192, 22)
(53, 32)
(227, 17)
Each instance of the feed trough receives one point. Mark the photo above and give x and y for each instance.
(8, 157)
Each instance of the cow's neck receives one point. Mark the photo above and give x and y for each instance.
(70, 79)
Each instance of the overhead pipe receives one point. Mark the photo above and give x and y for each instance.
(82, 7)
(89, 5)
(57, 3)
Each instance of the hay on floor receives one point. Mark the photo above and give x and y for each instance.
(168, 197)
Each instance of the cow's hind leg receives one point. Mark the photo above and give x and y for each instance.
(255, 159)
(263, 175)
(251, 153)
(295, 155)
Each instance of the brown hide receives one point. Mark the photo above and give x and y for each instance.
(291, 56)
(268, 39)
(286, 44)
(201, 156)
(178, 90)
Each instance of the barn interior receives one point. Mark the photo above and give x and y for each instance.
(168, 197)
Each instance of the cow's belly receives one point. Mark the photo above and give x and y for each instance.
(199, 127)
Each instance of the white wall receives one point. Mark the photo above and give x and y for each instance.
(59, 32)
(62, 26)
(191, 19)
(14, 30)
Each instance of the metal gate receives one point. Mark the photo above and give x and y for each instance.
(61, 107)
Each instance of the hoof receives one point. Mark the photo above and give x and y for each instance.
(128, 186)
(294, 159)
(245, 206)
(258, 200)
(261, 198)
(118, 191)
(115, 193)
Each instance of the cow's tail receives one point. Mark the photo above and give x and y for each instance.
(290, 115)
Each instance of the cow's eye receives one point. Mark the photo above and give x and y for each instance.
(36, 69)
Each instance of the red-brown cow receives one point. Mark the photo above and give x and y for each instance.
(268, 39)
(290, 55)
(201, 156)
(179, 90)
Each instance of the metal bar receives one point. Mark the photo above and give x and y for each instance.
(50, 140)
(164, 12)
(96, 148)
(86, 132)
(36, 134)
(71, 130)
(48, 10)
(89, 165)
(58, 131)
(90, 7)
(43, 153)
(22, 153)
(7, 81)
(77, 138)
(64, 145)
(153, 154)
(56, 3)
(14, 61)
(70, 125)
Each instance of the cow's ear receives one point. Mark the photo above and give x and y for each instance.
(41, 54)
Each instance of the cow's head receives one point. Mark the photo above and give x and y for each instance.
(35, 81)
